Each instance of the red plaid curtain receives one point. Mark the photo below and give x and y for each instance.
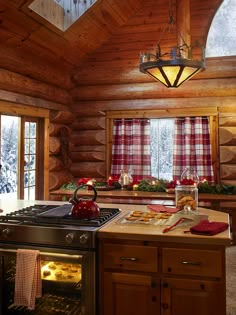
(131, 147)
(192, 147)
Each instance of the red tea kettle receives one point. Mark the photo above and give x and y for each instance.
(84, 208)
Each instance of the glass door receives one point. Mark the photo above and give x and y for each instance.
(21, 156)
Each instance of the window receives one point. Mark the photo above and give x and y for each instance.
(24, 153)
(29, 158)
(161, 138)
(221, 37)
(9, 155)
(61, 13)
(186, 141)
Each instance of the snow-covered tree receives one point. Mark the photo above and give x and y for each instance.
(9, 142)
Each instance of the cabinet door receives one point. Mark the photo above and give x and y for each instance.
(192, 297)
(130, 294)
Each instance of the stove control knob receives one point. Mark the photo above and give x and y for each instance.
(70, 238)
(83, 238)
(6, 233)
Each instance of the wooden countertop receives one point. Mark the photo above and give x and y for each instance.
(142, 232)
(126, 194)
(116, 230)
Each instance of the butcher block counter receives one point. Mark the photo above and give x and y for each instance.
(145, 271)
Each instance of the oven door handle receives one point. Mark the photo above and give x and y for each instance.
(56, 255)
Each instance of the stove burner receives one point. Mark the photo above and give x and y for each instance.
(54, 215)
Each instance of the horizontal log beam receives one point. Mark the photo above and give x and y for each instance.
(62, 117)
(227, 135)
(126, 69)
(91, 108)
(88, 169)
(88, 148)
(54, 129)
(19, 98)
(228, 154)
(229, 121)
(93, 123)
(87, 156)
(13, 82)
(88, 137)
(32, 66)
(228, 171)
(54, 145)
(192, 88)
(59, 178)
(55, 163)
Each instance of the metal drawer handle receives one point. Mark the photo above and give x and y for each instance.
(128, 258)
(197, 263)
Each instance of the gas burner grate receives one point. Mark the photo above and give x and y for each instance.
(55, 214)
(62, 215)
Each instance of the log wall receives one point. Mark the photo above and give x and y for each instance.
(59, 149)
(89, 150)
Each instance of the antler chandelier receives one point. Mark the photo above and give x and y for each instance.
(176, 66)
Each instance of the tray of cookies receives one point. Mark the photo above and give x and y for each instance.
(159, 219)
(145, 217)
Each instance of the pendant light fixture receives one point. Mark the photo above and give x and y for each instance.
(176, 66)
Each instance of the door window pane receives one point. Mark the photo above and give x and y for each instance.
(9, 156)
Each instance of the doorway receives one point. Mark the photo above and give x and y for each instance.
(19, 152)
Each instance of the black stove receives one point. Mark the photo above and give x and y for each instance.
(54, 214)
(52, 225)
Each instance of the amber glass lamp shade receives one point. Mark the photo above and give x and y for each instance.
(173, 72)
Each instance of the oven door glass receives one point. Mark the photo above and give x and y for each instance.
(68, 284)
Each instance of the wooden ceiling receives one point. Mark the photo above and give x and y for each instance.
(111, 34)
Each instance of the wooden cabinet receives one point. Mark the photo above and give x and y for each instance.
(155, 278)
(191, 297)
(133, 294)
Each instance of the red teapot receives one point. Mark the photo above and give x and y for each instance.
(84, 208)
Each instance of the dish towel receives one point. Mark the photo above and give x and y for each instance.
(205, 227)
(28, 284)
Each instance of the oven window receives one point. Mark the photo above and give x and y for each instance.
(62, 286)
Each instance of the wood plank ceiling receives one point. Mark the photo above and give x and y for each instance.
(111, 34)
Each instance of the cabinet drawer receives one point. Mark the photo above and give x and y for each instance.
(192, 262)
(129, 257)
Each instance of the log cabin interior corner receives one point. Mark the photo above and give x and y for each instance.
(117, 157)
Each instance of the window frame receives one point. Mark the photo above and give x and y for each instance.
(9, 108)
(211, 112)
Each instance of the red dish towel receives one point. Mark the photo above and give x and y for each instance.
(205, 227)
(28, 284)
(161, 208)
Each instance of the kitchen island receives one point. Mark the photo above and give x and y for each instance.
(221, 202)
(146, 271)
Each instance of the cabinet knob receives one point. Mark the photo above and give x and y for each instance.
(165, 306)
(154, 298)
(153, 284)
(165, 285)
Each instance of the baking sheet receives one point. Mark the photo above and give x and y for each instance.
(162, 219)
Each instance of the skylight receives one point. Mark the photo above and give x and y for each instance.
(61, 13)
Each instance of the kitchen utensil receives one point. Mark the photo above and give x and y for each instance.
(175, 224)
(84, 208)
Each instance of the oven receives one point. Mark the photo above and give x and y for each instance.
(68, 258)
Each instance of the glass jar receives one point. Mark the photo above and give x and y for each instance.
(186, 198)
(125, 179)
